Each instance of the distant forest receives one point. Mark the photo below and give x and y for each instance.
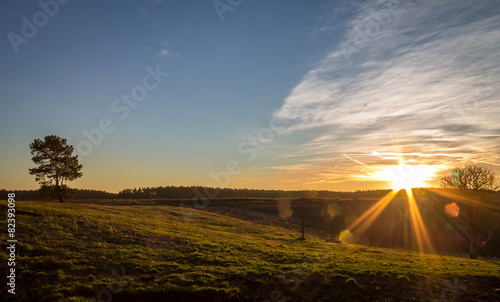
(185, 192)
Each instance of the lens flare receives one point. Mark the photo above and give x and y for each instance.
(284, 210)
(333, 209)
(346, 236)
(452, 209)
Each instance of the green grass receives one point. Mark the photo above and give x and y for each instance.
(76, 252)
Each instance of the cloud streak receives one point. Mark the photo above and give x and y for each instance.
(425, 82)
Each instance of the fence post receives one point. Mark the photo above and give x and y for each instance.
(303, 237)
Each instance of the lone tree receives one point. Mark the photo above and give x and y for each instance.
(56, 165)
(474, 178)
(470, 177)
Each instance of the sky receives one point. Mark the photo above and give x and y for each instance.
(317, 95)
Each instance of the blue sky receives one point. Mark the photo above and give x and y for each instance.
(357, 88)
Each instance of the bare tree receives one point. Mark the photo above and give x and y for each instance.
(470, 177)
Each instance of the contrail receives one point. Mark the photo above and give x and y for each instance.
(358, 162)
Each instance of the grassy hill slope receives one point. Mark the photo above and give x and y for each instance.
(76, 252)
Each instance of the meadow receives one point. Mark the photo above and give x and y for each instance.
(154, 252)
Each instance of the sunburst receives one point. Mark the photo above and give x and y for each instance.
(407, 176)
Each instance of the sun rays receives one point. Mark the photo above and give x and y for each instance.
(418, 225)
(462, 197)
(406, 175)
(364, 222)
(416, 229)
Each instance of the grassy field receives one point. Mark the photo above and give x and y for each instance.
(89, 252)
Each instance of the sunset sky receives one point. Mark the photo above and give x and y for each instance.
(335, 95)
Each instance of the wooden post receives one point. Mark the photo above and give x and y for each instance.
(303, 237)
(371, 234)
(409, 229)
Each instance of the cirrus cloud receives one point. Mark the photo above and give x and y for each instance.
(424, 81)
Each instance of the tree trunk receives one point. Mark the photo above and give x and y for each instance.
(473, 250)
(475, 244)
(59, 191)
(60, 197)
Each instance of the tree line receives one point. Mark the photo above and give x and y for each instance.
(188, 192)
(71, 194)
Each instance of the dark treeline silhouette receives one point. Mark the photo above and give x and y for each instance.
(188, 192)
(73, 194)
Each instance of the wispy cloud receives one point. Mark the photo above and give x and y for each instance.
(424, 82)
(166, 52)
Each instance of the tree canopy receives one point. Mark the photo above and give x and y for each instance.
(470, 177)
(55, 162)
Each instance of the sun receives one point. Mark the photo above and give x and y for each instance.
(407, 176)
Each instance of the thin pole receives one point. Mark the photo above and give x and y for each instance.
(303, 220)
(409, 229)
(371, 234)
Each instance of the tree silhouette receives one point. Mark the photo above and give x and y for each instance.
(56, 165)
(470, 177)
